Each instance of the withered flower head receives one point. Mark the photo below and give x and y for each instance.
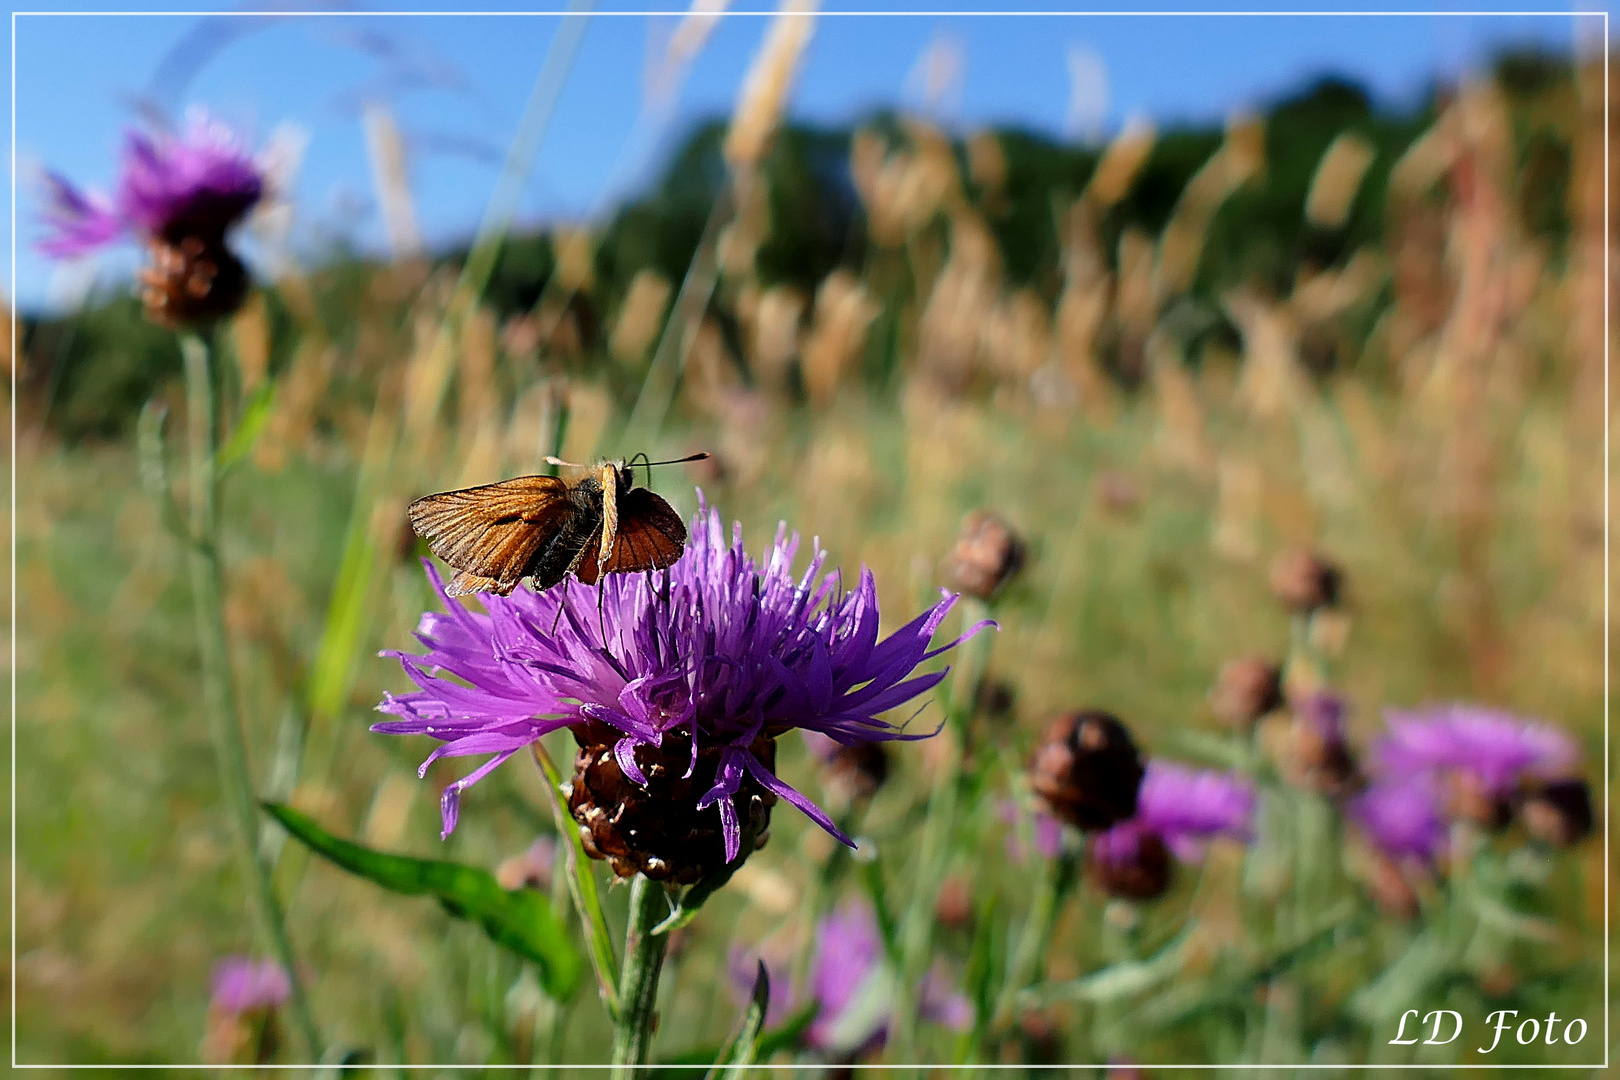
(179, 194)
(1560, 813)
(854, 772)
(1087, 769)
(1304, 581)
(1318, 754)
(986, 555)
(1245, 690)
(675, 685)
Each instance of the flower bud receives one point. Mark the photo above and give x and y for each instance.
(953, 907)
(1317, 753)
(531, 869)
(1087, 769)
(192, 282)
(986, 554)
(1560, 813)
(1245, 690)
(1303, 581)
(857, 772)
(1131, 862)
(657, 829)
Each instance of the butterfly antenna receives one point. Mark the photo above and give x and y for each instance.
(565, 464)
(601, 617)
(701, 455)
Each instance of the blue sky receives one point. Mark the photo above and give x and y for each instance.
(458, 84)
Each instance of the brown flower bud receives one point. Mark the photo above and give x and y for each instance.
(1041, 1037)
(1388, 887)
(1470, 799)
(1560, 813)
(1245, 690)
(953, 907)
(1303, 581)
(995, 700)
(986, 554)
(531, 869)
(192, 281)
(1131, 863)
(1317, 754)
(857, 771)
(1087, 769)
(658, 830)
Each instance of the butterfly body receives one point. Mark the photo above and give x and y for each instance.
(544, 528)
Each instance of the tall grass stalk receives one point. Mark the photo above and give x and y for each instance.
(218, 684)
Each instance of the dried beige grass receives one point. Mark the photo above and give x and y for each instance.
(1337, 180)
(1121, 163)
(962, 302)
(764, 92)
(775, 333)
(640, 317)
(250, 340)
(391, 180)
(575, 251)
(844, 312)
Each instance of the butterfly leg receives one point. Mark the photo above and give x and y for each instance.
(561, 600)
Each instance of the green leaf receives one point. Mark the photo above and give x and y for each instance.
(742, 1049)
(695, 897)
(254, 416)
(519, 920)
(785, 1036)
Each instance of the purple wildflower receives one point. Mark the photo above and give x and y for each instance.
(1493, 747)
(1177, 810)
(847, 983)
(1046, 830)
(1188, 806)
(717, 651)
(172, 186)
(1402, 816)
(241, 985)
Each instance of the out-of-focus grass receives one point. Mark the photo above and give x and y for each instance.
(1445, 455)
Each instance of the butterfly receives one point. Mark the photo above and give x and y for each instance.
(544, 528)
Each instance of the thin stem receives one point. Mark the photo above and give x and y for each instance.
(1059, 879)
(218, 686)
(638, 982)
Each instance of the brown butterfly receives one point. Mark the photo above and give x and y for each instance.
(544, 528)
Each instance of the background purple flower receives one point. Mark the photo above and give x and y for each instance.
(1496, 747)
(1046, 831)
(1187, 807)
(198, 182)
(242, 985)
(717, 650)
(1402, 816)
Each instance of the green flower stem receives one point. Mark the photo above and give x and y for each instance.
(638, 980)
(1056, 883)
(218, 686)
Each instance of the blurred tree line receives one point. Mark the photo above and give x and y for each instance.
(86, 374)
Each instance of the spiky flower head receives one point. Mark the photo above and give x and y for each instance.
(242, 985)
(1178, 811)
(714, 658)
(179, 193)
(1402, 816)
(852, 987)
(1495, 747)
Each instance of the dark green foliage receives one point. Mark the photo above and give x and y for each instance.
(520, 920)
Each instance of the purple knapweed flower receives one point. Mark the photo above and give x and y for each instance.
(1178, 810)
(1046, 833)
(851, 986)
(1187, 807)
(195, 183)
(717, 652)
(1402, 816)
(1493, 747)
(242, 985)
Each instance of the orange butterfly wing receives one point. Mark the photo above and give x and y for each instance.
(651, 537)
(493, 534)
